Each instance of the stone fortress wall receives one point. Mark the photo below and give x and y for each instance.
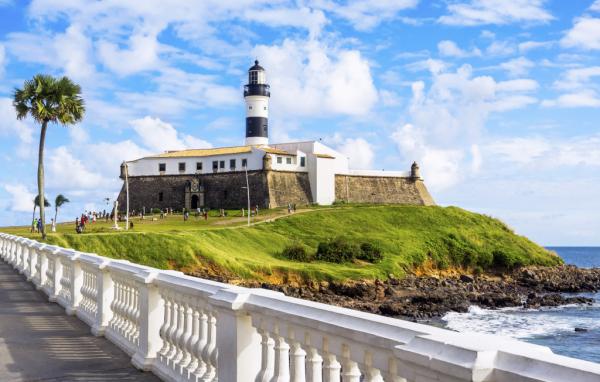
(268, 189)
(378, 189)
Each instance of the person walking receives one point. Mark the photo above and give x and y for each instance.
(53, 225)
(33, 225)
(39, 225)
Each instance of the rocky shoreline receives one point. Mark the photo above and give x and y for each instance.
(429, 297)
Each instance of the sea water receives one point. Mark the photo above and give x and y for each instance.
(552, 327)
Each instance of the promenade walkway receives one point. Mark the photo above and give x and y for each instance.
(39, 342)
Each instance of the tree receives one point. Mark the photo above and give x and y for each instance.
(48, 100)
(58, 202)
(36, 203)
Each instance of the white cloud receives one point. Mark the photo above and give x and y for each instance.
(448, 119)
(449, 48)
(526, 46)
(364, 15)
(70, 52)
(21, 198)
(585, 34)
(500, 48)
(517, 67)
(317, 79)
(66, 171)
(595, 6)
(140, 55)
(304, 17)
(10, 126)
(581, 98)
(160, 136)
(482, 12)
(358, 151)
(577, 78)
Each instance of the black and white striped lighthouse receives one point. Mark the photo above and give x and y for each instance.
(257, 94)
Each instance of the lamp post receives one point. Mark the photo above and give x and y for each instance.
(247, 191)
(127, 195)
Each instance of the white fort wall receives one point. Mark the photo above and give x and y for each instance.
(183, 328)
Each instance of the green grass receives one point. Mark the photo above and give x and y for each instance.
(409, 236)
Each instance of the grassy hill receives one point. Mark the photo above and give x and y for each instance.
(410, 238)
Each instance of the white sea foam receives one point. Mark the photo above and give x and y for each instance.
(524, 323)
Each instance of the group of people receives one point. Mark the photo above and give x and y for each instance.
(36, 225)
(291, 207)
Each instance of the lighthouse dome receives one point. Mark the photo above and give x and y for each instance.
(256, 67)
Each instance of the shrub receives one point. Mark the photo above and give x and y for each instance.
(296, 252)
(156, 210)
(370, 252)
(338, 250)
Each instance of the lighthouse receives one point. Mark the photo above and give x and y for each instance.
(256, 95)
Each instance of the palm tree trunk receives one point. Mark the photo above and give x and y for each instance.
(55, 213)
(40, 176)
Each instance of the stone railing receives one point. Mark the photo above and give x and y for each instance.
(184, 328)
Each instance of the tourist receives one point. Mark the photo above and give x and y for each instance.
(289, 208)
(33, 225)
(53, 224)
(205, 215)
(39, 225)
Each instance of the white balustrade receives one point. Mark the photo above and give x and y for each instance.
(183, 328)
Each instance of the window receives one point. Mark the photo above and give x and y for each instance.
(253, 77)
(265, 108)
(249, 107)
(288, 160)
(181, 166)
(232, 164)
(302, 161)
(162, 167)
(160, 196)
(198, 166)
(224, 194)
(215, 165)
(222, 164)
(244, 163)
(279, 160)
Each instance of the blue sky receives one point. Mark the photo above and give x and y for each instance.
(499, 101)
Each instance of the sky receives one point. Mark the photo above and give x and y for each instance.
(498, 101)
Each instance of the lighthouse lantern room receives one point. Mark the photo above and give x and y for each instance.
(256, 95)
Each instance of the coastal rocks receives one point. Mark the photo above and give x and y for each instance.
(553, 300)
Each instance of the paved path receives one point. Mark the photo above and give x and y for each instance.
(39, 342)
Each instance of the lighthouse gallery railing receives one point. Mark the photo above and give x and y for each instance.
(183, 328)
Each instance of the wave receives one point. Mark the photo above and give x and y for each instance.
(525, 323)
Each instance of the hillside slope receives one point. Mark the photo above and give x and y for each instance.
(410, 238)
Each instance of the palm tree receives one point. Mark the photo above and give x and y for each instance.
(36, 203)
(58, 202)
(47, 99)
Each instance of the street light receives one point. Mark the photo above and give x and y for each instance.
(127, 195)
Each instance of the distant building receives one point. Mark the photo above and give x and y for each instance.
(278, 174)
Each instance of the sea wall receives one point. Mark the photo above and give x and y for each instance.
(379, 189)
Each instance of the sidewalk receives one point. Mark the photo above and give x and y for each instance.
(39, 342)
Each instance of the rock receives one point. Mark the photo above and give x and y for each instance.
(581, 330)
(466, 279)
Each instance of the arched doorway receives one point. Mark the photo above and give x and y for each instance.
(194, 202)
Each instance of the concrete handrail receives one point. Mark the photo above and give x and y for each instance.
(183, 328)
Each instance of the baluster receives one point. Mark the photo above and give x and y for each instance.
(166, 322)
(315, 366)
(210, 351)
(350, 372)
(393, 372)
(282, 359)
(187, 334)
(267, 358)
(195, 337)
(173, 331)
(298, 363)
(331, 368)
(136, 315)
(180, 331)
(200, 346)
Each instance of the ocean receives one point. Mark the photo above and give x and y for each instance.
(552, 327)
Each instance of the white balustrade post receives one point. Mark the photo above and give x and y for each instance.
(58, 272)
(104, 300)
(238, 343)
(76, 283)
(33, 254)
(151, 319)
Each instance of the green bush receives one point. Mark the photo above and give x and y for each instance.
(338, 250)
(296, 252)
(156, 211)
(370, 252)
